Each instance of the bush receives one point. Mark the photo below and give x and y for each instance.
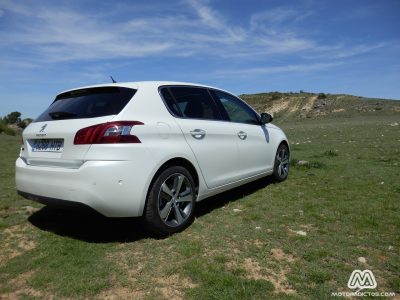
(330, 153)
(12, 118)
(7, 130)
(321, 96)
(276, 95)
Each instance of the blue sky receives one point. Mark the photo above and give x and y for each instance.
(339, 46)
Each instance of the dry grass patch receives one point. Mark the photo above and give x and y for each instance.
(20, 288)
(120, 292)
(279, 255)
(278, 106)
(309, 104)
(278, 279)
(170, 287)
(15, 242)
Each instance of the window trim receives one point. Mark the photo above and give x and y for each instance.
(222, 112)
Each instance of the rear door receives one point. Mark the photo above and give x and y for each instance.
(212, 140)
(49, 140)
(255, 150)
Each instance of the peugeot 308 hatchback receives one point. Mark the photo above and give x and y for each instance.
(150, 149)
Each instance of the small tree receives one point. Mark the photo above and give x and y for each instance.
(21, 124)
(275, 95)
(321, 96)
(24, 123)
(12, 118)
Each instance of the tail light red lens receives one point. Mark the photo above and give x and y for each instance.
(107, 133)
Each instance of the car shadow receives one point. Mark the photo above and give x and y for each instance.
(85, 224)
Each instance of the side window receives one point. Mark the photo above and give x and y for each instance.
(237, 111)
(195, 103)
(170, 102)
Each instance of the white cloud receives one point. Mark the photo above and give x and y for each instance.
(54, 33)
(357, 50)
(60, 34)
(277, 16)
(214, 20)
(279, 69)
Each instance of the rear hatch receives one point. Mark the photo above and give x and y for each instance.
(51, 139)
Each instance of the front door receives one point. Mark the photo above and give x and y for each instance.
(255, 151)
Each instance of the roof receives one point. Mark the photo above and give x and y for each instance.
(139, 84)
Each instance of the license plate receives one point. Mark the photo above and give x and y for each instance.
(47, 145)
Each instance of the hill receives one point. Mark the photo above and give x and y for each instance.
(309, 105)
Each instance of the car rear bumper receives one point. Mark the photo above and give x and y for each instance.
(109, 187)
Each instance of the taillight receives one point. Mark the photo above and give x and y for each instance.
(107, 133)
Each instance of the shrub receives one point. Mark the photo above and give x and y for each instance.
(9, 131)
(330, 153)
(12, 118)
(21, 124)
(321, 96)
(275, 95)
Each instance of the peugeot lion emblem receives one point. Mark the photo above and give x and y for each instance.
(43, 128)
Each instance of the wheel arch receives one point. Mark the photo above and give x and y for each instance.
(176, 161)
(284, 142)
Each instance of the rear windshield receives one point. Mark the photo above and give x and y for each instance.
(87, 103)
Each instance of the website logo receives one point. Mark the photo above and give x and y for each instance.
(362, 280)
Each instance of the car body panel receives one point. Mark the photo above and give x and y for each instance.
(216, 152)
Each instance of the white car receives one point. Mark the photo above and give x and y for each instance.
(150, 149)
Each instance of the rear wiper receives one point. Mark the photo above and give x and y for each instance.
(62, 114)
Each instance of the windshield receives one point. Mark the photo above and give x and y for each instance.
(87, 103)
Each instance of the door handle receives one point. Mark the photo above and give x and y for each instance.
(198, 134)
(242, 135)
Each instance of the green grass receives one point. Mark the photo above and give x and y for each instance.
(299, 239)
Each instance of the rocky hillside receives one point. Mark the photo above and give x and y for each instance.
(309, 105)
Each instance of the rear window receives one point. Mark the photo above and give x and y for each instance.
(87, 103)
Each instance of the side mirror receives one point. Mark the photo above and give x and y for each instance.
(266, 118)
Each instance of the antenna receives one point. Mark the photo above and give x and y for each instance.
(113, 81)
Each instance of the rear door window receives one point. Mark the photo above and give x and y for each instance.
(191, 102)
(88, 103)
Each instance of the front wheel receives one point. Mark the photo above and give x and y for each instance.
(171, 201)
(281, 166)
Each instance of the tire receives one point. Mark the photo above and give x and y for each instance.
(281, 166)
(171, 202)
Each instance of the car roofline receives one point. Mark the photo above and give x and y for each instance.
(138, 84)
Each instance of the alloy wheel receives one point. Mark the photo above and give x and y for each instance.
(283, 162)
(175, 200)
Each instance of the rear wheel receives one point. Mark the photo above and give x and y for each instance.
(281, 167)
(171, 201)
